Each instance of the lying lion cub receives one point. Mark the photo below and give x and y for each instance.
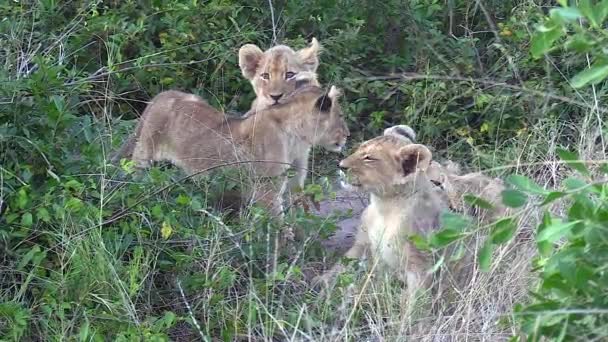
(176, 127)
(403, 202)
(456, 186)
(278, 71)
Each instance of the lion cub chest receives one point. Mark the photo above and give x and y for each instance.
(385, 232)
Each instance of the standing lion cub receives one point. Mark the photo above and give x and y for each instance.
(274, 75)
(181, 128)
(403, 202)
(278, 71)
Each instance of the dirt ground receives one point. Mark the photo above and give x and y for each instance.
(343, 238)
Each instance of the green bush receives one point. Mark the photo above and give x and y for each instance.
(92, 251)
(570, 301)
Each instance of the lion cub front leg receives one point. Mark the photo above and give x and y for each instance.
(295, 184)
(269, 194)
(301, 168)
(357, 251)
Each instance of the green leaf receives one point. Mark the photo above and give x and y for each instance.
(182, 199)
(602, 11)
(575, 184)
(477, 201)
(196, 205)
(544, 247)
(525, 184)
(445, 237)
(419, 242)
(543, 41)
(579, 43)
(503, 230)
(581, 209)
(595, 74)
(157, 211)
(27, 219)
(572, 159)
(43, 214)
(556, 230)
(166, 230)
(84, 331)
(73, 185)
(485, 256)
(552, 197)
(513, 198)
(566, 13)
(74, 204)
(453, 221)
(587, 9)
(22, 198)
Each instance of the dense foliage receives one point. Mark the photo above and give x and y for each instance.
(89, 250)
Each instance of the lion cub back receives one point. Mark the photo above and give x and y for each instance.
(175, 124)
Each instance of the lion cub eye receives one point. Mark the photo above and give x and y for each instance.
(368, 158)
(289, 75)
(265, 76)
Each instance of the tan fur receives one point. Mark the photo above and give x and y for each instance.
(183, 128)
(403, 202)
(278, 71)
(254, 62)
(456, 186)
(474, 183)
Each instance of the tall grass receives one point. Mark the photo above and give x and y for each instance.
(171, 268)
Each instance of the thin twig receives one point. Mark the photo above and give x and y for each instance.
(414, 76)
(194, 321)
(274, 25)
(499, 41)
(123, 212)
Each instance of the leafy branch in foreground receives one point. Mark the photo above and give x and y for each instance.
(570, 301)
(584, 29)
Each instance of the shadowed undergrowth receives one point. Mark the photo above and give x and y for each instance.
(92, 251)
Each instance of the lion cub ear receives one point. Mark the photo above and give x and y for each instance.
(250, 56)
(414, 157)
(402, 131)
(310, 55)
(324, 102)
(334, 92)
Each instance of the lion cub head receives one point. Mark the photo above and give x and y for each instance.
(278, 71)
(383, 163)
(326, 126)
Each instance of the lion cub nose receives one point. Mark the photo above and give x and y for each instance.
(276, 97)
(342, 166)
